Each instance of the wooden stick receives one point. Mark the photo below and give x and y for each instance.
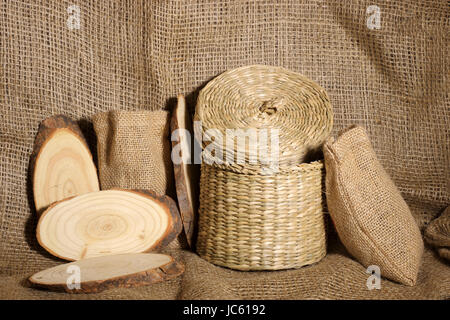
(115, 271)
(61, 164)
(184, 174)
(108, 222)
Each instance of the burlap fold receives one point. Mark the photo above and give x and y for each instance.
(371, 217)
(437, 234)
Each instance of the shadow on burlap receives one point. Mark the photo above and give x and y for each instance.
(392, 81)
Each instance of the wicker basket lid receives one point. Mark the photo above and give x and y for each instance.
(265, 97)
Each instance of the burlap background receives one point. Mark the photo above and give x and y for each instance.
(141, 54)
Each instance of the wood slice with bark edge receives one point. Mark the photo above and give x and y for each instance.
(61, 163)
(107, 272)
(184, 172)
(108, 222)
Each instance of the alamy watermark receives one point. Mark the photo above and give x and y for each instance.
(74, 279)
(374, 19)
(234, 146)
(374, 280)
(74, 19)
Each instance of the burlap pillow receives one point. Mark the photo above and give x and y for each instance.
(371, 217)
(134, 150)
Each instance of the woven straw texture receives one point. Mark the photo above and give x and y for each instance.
(262, 222)
(266, 97)
(437, 234)
(139, 55)
(371, 217)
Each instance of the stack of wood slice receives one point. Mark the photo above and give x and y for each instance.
(105, 232)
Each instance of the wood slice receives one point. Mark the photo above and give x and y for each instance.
(114, 271)
(184, 172)
(61, 164)
(108, 222)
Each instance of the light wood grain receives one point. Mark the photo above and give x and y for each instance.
(108, 222)
(107, 272)
(61, 164)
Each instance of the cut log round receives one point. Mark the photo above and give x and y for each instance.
(115, 271)
(61, 164)
(182, 133)
(108, 222)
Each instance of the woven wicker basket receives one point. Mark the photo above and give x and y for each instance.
(252, 218)
(267, 97)
(262, 222)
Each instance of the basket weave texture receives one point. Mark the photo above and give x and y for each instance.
(266, 97)
(256, 219)
(262, 222)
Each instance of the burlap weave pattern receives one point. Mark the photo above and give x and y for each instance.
(133, 150)
(371, 217)
(437, 234)
(444, 253)
(139, 55)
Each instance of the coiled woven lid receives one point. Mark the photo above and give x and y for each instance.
(265, 97)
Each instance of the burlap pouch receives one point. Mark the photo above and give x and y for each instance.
(133, 150)
(373, 221)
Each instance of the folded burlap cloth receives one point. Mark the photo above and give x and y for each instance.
(437, 234)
